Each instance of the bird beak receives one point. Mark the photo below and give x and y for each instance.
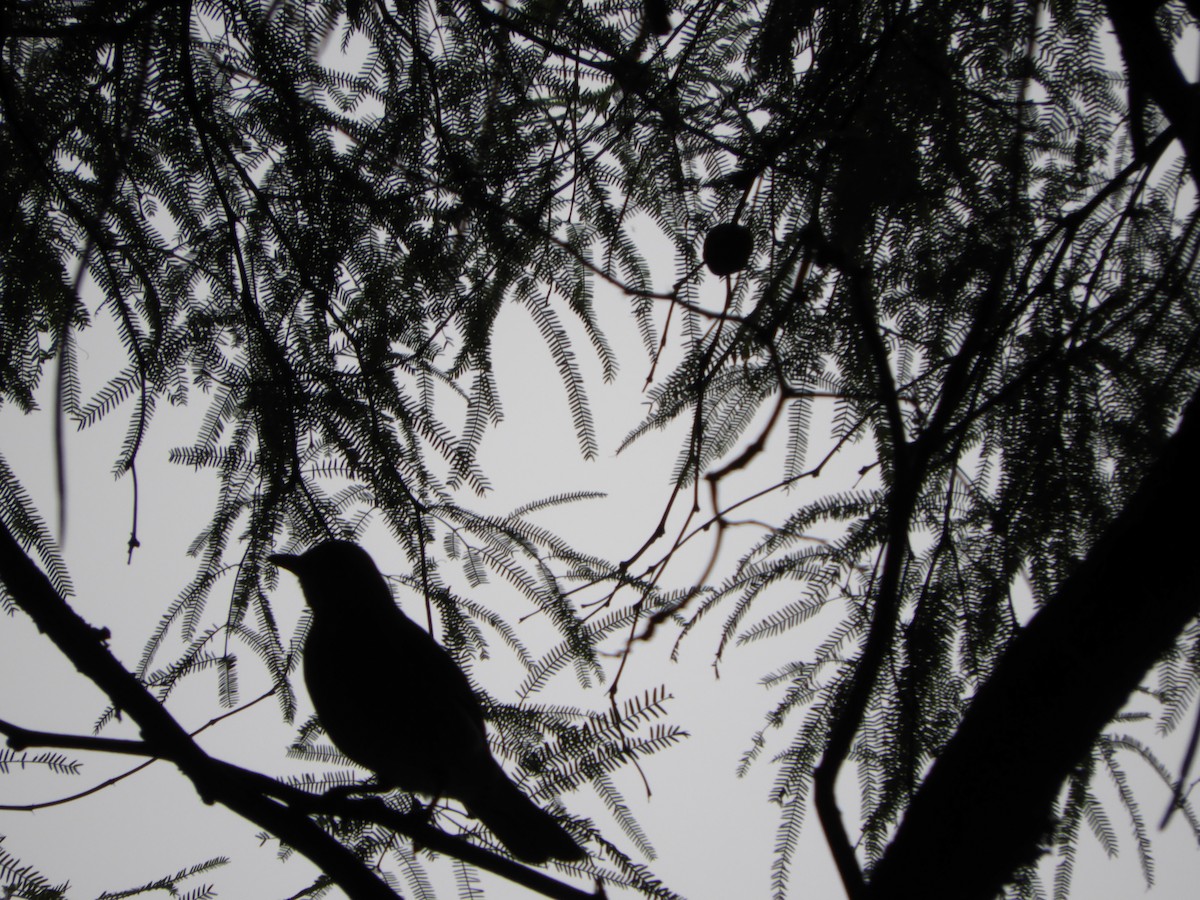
(286, 561)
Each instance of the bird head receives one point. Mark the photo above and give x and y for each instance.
(335, 573)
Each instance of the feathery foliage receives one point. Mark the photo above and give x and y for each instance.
(970, 324)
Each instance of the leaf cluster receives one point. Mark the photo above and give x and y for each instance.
(972, 306)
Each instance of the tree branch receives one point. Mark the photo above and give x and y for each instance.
(987, 802)
(854, 695)
(20, 738)
(1153, 72)
(85, 647)
(277, 807)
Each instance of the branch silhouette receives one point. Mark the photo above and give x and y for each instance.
(279, 808)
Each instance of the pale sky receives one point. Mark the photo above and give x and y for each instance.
(715, 833)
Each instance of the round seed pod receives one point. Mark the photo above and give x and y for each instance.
(728, 248)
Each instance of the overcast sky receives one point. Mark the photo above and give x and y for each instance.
(715, 833)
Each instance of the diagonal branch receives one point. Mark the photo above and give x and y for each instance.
(85, 647)
(987, 802)
(1153, 73)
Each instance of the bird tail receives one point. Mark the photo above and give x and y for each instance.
(530, 833)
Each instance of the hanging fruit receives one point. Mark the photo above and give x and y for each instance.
(728, 248)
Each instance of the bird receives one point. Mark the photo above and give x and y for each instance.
(394, 701)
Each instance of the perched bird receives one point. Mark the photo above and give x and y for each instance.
(395, 702)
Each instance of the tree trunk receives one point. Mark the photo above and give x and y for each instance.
(987, 801)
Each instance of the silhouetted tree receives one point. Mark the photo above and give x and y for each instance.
(957, 254)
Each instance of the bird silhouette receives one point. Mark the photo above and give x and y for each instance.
(394, 701)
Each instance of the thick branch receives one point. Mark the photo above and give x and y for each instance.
(1153, 72)
(987, 801)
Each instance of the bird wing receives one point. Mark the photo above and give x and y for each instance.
(394, 701)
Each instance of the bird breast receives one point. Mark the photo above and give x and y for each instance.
(384, 703)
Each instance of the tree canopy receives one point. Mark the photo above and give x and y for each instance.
(956, 247)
